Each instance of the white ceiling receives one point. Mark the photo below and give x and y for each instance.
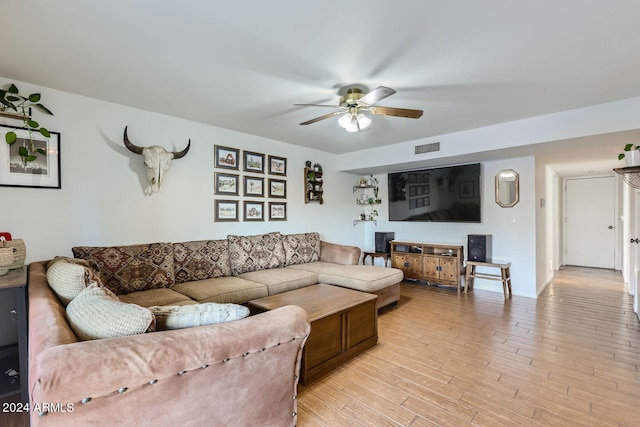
(242, 65)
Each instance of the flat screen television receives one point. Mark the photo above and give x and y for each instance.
(444, 194)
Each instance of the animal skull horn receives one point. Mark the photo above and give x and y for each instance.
(156, 159)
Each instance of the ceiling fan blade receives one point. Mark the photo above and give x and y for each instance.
(396, 112)
(376, 95)
(317, 105)
(326, 116)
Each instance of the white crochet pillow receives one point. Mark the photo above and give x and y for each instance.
(187, 316)
(97, 313)
(68, 277)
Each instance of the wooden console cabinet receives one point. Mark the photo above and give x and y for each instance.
(429, 262)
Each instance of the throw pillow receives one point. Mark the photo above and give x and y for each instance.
(187, 316)
(301, 248)
(68, 277)
(254, 253)
(96, 313)
(199, 260)
(126, 269)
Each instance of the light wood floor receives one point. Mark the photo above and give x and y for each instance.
(571, 357)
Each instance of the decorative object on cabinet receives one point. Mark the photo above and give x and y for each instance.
(30, 170)
(630, 154)
(253, 186)
(507, 188)
(277, 165)
(313, 186)
(429, 262)
(253, 211)
(253, 162)
(227, 184)
(277, 211)
(226, 211)
(278, 188)
(226, 157)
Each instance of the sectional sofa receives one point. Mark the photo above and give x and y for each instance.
(242, 372)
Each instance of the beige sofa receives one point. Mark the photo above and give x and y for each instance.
(237, 373)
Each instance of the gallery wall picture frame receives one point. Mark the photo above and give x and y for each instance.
(227, 184)
(41, 172)
(277, 188)
(277, 165)
(277, 211)
(226, 157)
(253, 211)
(253, 162)
(226, 211)
(253, 186)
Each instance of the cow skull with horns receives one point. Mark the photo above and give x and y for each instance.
(156, 159)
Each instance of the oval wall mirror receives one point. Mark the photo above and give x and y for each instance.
(507, 188)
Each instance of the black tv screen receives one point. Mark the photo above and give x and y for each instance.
(446, 194)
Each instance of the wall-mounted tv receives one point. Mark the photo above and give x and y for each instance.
(444, 194)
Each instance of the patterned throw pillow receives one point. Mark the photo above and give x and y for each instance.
(187, 316)
(253, 253)
(125, 269)
(199, 260)
(96, 313)
(301, 248)
(68, 277)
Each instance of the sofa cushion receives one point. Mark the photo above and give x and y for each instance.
(175, 317)
(153, 297)
(253, 253)
(199, 260)
(223, 290)
(125, 269)
(97, 313)
(366, 278)
(68, 277)
(301, 248)
(278, 280)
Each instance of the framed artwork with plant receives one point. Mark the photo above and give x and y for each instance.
(254, 186)
(253, 162)
(31, 160)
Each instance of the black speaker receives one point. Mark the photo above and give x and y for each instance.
(479, 247)
(383, 241)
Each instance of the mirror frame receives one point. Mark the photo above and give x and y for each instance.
(517, 189)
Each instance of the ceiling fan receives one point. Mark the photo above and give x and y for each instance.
(355, 102)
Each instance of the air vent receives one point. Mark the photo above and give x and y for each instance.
(427, 148)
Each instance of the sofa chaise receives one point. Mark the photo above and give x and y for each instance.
(243, 372)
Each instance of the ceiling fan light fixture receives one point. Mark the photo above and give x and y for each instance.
(345, 120)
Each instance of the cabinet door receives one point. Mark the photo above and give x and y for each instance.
(414, 269)
(449, 268)
(431, 268)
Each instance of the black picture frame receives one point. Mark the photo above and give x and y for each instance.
(277, 188)
(253, 211)
(227, 184)
(253, 186)
(226, 157)
(253, 162)
(277, 165)
(277, 211)
(226, 211)
(43, 172)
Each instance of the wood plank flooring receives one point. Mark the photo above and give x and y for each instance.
(571, 357)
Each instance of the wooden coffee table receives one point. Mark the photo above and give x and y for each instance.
(344, 323)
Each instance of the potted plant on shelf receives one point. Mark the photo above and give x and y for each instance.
(17, 106)
(317, 167)
(630, 154)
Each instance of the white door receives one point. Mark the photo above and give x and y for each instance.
(590, 222)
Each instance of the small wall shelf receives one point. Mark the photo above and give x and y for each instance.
(360, 187)
(355, 221)
(313, 186)
(631, 175)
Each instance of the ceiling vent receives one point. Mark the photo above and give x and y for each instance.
(427, 148)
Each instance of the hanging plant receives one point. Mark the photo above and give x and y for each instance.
(12, 101)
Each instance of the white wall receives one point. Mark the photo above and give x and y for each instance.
(102, 200)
